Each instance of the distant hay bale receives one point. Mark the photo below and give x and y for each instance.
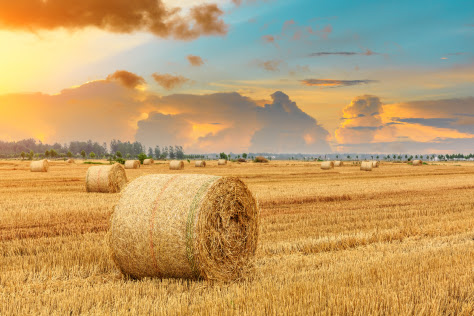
(338, 163)
(132, 164)
(148, 161)
(242, 160)
(106, 179)
(222, 162)
(184, 226)
(200, 163)
(417, 162)
(326, 165)
(70, 160)
(261, 159)
(375, 163)
(366, 166)
(39, 166)
(176, 165)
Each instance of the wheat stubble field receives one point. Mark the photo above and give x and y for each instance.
(395, 241)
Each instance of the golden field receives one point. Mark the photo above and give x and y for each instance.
(395, 241)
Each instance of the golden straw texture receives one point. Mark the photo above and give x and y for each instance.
(417, 162)
(185, 226)
(200, 163)
(39, 166)
(366, 166)
(221, 162)
(338, 163)
(375, 163)
(176, 165)
(326, 165)
(106, 179)
(148, 161)
(132, 164)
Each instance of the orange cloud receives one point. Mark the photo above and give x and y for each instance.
(127, 79)
(270, 65)
(168, 81)
(195, 60)
(115, 16)
(334, 83)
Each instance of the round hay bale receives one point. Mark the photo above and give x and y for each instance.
(184, 226)
(148, 161)
(176, 165)
(222, 162)
(70, 160)
(366, 166)
(132, 164)
(326, 165)
(39, 166)
(200, 163)
(375, 163)
(106, 179)
(417, 162)
(261, 159)
(338, 163)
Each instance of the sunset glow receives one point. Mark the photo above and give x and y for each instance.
(61, 72)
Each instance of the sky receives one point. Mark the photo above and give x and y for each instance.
(300, 76)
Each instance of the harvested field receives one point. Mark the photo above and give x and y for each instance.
(395, 241)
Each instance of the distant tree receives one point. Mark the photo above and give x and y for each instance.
(69, 154)
(171, 153)
(223, 156)
(244, 155)
(142, 157)
(157, 152)
(31, 154)
(179, 152)
(23, 155)
(128, 156)
(83, 154)
(118, 154)
(46, 153)
(53, 153)
(92, 155)
(150, 152)
(348, 157)
(377, 157)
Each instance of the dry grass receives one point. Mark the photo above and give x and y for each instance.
(395, 241)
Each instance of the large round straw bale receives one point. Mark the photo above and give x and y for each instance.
(338, 163)
(261, 159)
(222, 162)
(106, 179)
(148, 161)
(176, 165)
(39, 166)
(200, 163)
(366, 166)
(326, 165)
(375, 163)
(184, 226)
(417, 162)
(70, 160)
(132, 164)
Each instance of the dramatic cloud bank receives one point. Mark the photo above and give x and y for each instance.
(114, 16)
(231, 122)
(111, 108)
(435, 126)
